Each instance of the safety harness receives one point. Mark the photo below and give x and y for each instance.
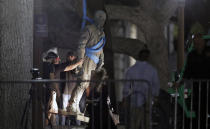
(90, 52)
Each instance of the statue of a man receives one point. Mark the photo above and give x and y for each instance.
(90, 49)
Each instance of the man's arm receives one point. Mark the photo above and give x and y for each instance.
(73, 66)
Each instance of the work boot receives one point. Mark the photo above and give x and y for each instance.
(74, 109)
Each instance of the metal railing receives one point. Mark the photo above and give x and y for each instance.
(191, 105)
(26, 101)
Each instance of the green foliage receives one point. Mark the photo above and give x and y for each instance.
(197, 28)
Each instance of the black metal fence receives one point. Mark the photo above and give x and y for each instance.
(191, 105)
(26, 100)
(23, 106)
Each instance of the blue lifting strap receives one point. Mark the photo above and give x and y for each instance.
(90, 52)
(85, 17)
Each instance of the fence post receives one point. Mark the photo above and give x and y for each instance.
(175, 109)
(148, 110)
(207, 102)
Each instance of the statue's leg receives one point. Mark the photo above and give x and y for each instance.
(78, 91)
(67, 95)
(77, 95)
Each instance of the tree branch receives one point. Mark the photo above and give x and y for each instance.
(152, 9)
(116, 12)
(134, 15)
(164, 10)
(127, 46)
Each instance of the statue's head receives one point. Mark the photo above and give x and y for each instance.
(100, 18)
